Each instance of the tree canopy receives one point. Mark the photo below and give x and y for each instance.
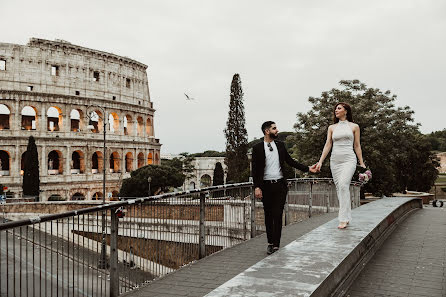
(163, 177)
(236, 135)
(392, 145)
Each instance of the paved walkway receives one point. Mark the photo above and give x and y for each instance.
(411, 262)
(207, 274)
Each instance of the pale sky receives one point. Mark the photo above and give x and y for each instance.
(284, 51)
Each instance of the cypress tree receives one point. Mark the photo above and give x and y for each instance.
(236, 135)
(31, 180)
(219, 175)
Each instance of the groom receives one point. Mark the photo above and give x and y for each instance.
(268, 158)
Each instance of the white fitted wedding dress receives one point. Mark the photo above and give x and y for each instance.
(343, 166)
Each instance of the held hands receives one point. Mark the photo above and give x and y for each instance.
(313, 168)
(258, 193)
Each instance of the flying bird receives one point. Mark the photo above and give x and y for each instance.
(188, 98)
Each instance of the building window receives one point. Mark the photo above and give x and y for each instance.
(77, 93)
(127, 82)
(2, 64)
(54, 70)
(96, 75)
(114, 97)
(29, 88)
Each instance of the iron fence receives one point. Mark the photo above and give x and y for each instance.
(113, 248)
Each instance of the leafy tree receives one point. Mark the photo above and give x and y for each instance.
(236, 135)
(31, 179)
(219, 175)
(209, 154)
(163, 177)
(392, 144)
(437, 140)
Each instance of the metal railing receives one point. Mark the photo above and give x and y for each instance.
(59, 254)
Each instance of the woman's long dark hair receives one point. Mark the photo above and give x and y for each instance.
(347, 108)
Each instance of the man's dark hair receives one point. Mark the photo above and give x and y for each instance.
(266, 125)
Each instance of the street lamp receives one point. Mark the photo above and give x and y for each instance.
(149, 180)
(102, 260)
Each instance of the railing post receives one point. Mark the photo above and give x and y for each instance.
(253, 213)
(114, 274)
(286, 208)
(201, 238)
(310, 200)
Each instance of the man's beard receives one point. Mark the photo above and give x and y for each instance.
(274, 136)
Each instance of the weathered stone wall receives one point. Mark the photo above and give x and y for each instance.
(45, 74)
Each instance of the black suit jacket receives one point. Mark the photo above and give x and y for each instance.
(258, 161)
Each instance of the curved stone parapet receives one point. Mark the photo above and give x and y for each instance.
(326, 260)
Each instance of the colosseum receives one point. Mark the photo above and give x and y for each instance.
(70, 98)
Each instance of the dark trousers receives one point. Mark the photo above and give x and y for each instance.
(274, 196)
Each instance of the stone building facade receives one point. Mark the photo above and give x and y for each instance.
(64, 95)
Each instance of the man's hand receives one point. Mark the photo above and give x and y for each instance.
(258, 193)
(313, 169)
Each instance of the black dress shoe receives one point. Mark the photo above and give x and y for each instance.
(275, 249)
(269, 249)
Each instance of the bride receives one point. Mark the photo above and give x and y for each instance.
(343, 136)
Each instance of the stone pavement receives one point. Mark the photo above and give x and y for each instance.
(209, 273)
(411, 262)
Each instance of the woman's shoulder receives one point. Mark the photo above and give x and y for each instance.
(331, 127)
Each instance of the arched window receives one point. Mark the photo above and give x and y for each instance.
(4, 163)
(55, 164)
(22, 163)
(114, 162)
(128, 162)
(77, 162)
(97, 162)
(76, 117)
(205, 181)
(128, 125)
(54, 118)
(97, 196)
(140, 160)
(150, 159)
(113, 122)
(95, 120)
(29, 118)
(149, 127)
(140, 126)
(4, 117)
(78, 196)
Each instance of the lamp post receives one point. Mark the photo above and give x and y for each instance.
(249, 155)
(102, 260)
(149, 180)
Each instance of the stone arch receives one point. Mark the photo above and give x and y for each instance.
(115, 196)
(97, 162)
(29, 118)
(115, 162)
(5, 161)
(191, 185)
(76, 118)
(77, 162)
(128, 125)
(205, 181)
(113, 122)
(128, 162)
(96, 121)
(54, 118)
(149, 127)
(140, 125)
(97, 196)
(5, 114)
(140, 159)
(78, 196)
(150, 159)
(55, 162)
